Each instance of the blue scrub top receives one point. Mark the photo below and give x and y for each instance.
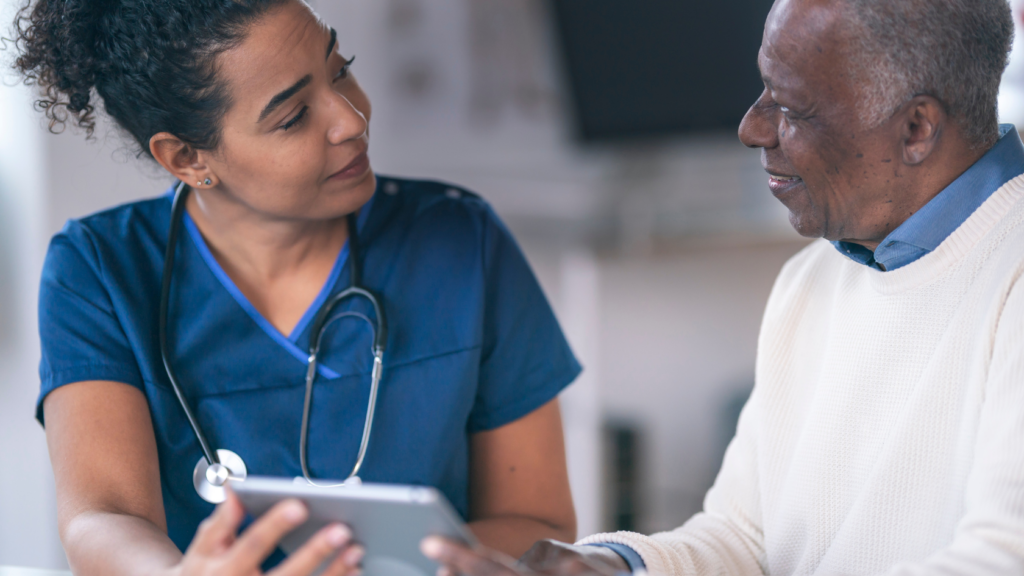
(472, 344)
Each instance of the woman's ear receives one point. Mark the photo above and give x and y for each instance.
(923, 120)
(181, 160)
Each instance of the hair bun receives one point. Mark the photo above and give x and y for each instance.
(56, 45)
(152, 63)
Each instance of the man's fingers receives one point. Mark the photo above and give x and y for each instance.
(549, 556)
(462, 560)
(261, 538)
(216, 533)
(324, 544)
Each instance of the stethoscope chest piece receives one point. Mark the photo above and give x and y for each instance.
(209, 479)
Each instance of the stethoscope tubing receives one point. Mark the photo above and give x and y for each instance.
(320, 322)
(177, 214)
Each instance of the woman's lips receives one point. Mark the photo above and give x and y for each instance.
(357, 167)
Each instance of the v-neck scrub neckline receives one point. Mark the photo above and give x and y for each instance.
(288, 342)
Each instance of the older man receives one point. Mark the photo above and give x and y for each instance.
(885, 434)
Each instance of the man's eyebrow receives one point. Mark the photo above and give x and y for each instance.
(284, 95)
(764, 77)
(330, 45)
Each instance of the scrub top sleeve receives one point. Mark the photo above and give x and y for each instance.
(80, 335)
(525, 359)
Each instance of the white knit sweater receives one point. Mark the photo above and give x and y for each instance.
(885, 433)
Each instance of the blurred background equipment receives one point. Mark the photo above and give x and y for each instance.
(659, 68)
(623, 491)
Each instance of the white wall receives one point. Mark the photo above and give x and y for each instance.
(27, 511)
(680, 331)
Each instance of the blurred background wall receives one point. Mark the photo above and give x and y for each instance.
(657, 249)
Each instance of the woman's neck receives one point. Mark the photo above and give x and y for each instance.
(266, 248)
(280, 265)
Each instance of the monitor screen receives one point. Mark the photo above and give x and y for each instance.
(656, 68)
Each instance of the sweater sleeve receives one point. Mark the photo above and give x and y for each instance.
(726, 538)
(989, 539)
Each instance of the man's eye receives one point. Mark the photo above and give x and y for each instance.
(295, 119)
(343, 73)
(784, 109)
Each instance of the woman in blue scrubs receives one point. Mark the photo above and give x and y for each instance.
(251, 104)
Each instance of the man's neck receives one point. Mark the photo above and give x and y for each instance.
(923, 183)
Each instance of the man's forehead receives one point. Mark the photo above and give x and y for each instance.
(802, 26)
(801, 39)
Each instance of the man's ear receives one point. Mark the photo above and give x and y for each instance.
(922, 122)
(183, 161)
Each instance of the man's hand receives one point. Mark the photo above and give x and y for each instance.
(546, 557)
(551, 557)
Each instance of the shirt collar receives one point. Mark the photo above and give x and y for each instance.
(943, 214)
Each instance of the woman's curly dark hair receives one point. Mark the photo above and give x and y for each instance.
(151, 62)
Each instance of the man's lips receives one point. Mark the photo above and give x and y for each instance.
(781, 183)
(357, 167)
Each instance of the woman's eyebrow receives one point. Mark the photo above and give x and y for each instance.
(285, 95)
(330, 45)
(288, 93)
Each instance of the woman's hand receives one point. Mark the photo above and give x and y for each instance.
(216, 550)
(547, 557)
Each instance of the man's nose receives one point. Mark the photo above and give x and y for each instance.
(757, 130)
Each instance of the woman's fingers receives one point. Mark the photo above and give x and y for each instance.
(317, 550)
(216, 533)
(347, 563)
(261, 538)
(462, 560)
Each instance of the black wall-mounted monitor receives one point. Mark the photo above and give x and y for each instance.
(646, 69)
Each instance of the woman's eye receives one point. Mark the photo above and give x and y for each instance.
(295, 119)
(343, 73)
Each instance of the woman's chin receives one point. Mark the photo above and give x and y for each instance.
(354, 196)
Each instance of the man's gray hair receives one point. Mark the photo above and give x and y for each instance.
(953, 50)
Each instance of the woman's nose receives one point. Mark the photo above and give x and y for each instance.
(347, 122)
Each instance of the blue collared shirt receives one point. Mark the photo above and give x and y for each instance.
(928, 227)
(631, 557)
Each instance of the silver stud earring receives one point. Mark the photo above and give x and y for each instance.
(199, 183)
(207, 181)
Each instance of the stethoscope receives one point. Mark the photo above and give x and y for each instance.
(216, 467)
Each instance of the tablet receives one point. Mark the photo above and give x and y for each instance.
(389, 520)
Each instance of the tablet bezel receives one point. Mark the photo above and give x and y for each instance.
(411, 513)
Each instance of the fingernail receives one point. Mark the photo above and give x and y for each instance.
(354, 556)
(338, 535)
(431, 547)
(294, 512)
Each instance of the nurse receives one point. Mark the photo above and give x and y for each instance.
(251, 104)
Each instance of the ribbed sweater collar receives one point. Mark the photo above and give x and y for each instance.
(954, 248)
